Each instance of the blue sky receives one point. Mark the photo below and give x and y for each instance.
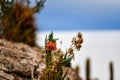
(79, 15)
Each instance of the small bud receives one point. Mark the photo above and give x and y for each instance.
(78, 46)
(80, 40)
(79, 35)
(74, 39)
(70, 51)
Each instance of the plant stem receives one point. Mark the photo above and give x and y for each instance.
(48, 64)
(48, 58)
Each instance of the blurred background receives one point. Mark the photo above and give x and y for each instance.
(97, 20)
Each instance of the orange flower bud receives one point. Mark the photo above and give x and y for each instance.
(50, 46)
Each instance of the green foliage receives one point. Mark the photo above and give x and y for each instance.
(67, 60)
(54, 69)
(50, 38)
(56, 61)
(48, 59)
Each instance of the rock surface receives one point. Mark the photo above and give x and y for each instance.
(21, 62)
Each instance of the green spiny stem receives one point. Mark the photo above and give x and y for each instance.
(48, 59)
(48, 64)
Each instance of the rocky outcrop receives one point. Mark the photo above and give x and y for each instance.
(22, 62)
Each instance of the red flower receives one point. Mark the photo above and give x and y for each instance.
(50, 46)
